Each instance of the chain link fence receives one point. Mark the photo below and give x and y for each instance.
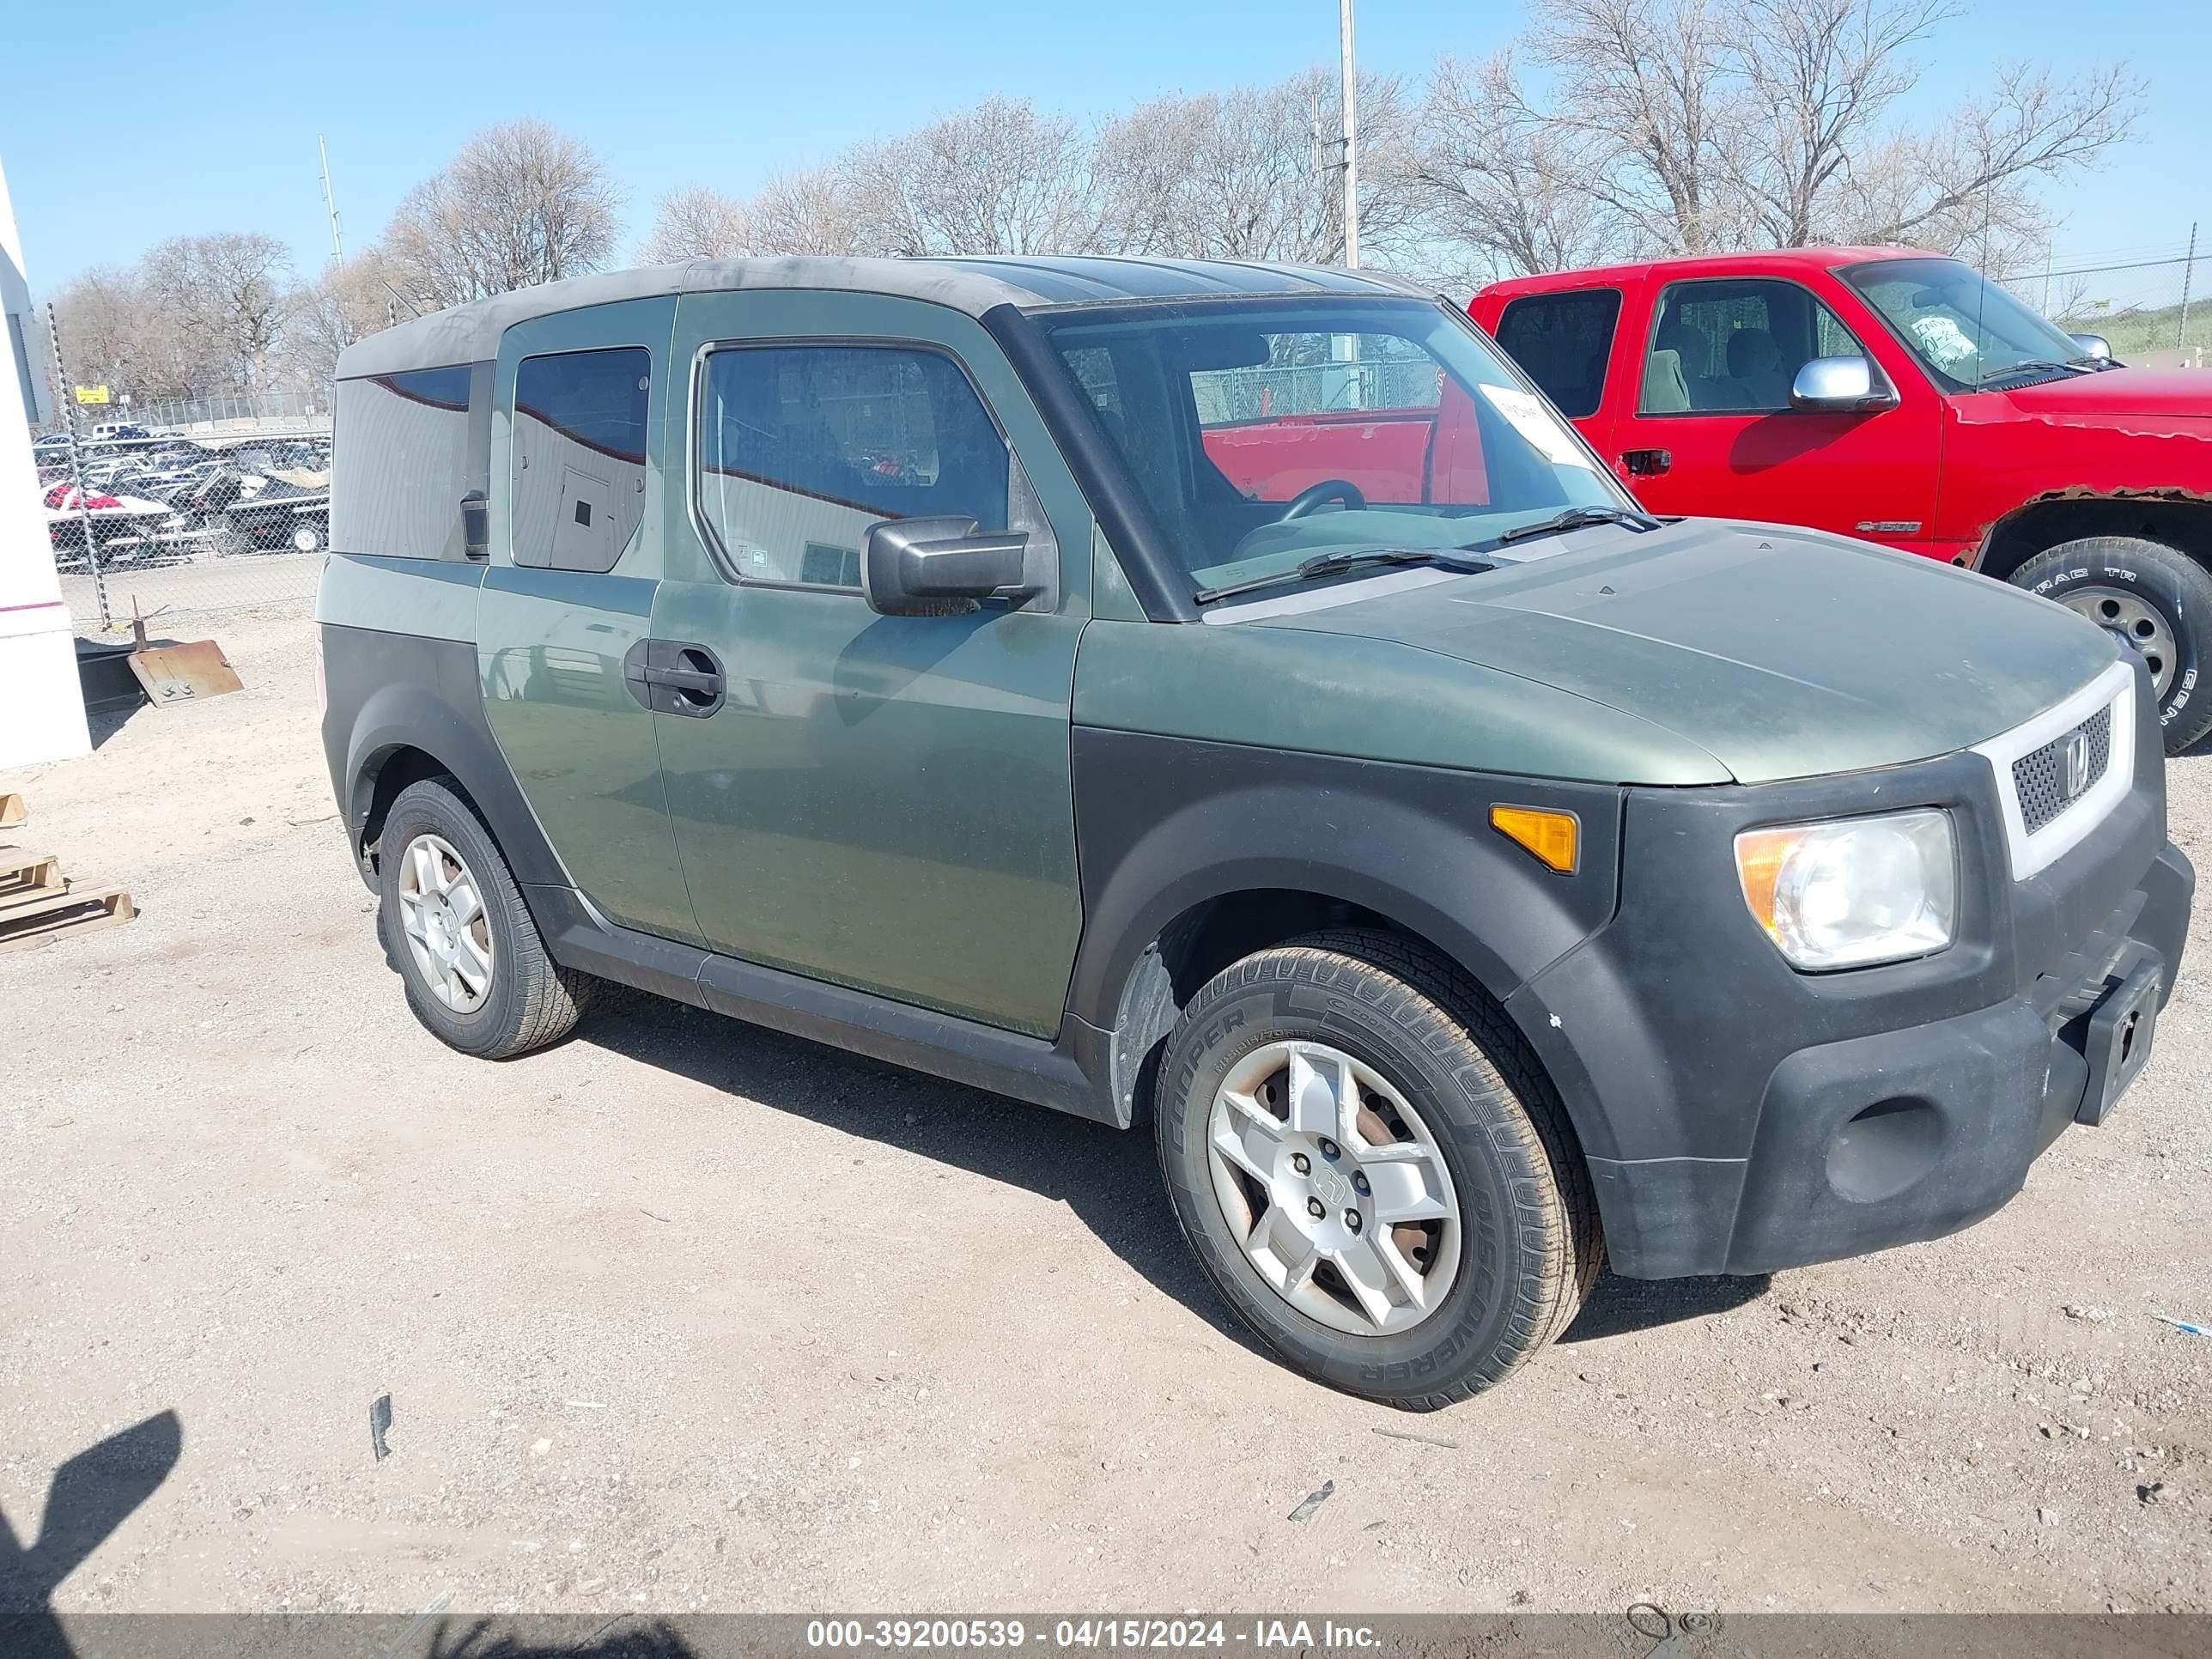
(2154, 312)
(176, 509)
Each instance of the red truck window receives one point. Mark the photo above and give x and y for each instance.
(1564, 341)
(1735, 346)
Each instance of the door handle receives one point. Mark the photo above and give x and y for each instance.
(704, 682)
(673, 678)
(1646, 463)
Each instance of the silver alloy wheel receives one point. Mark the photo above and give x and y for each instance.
(441, 910)
(2144, 625)
(1335, 1187)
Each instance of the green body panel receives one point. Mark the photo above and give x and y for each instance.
(1112, 599)
(550, 645)
(884, 802)
(425, 598)
(1370, 698)
(1780, 654)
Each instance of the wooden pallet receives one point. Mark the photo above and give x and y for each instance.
(13, 811)
(38, 903)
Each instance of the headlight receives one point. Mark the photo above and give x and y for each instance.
(1853, 891)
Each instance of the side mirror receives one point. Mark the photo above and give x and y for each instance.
(923, 566)
(1839, 383)
(476, 524)
(2093, 345)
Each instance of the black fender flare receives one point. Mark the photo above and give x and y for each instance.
(1166, 824)
(437, 706)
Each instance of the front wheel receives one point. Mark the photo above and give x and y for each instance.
(2158, 598)
(1372, 1171)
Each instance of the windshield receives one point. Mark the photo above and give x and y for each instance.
(1263, 433)
(1965, 330)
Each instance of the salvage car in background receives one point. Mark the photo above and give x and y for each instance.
(1900, 397)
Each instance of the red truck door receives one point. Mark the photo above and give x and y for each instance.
(1703, 425)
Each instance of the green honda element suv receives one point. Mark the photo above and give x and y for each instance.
(1229, 697)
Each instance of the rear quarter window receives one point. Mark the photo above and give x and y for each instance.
(399, 463)
(1563, 342)
(577, 460)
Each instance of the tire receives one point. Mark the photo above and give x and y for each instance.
(1523, 1247)
(2159, 596)
(526, 1000)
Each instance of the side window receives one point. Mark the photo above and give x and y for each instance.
(577, 462)
(401, 453)
(803, 447)
(1735, 347)
(1564, 341)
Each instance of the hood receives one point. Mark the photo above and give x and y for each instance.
(1781, 653)
(2180, 393)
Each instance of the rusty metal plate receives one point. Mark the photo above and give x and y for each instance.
(184, 673)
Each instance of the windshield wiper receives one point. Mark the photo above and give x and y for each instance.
(2038, 365)
(1575, 518)
(1335, 565)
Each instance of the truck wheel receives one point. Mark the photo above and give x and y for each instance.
(1373, 1171)
(2158, 598)
(452, 920)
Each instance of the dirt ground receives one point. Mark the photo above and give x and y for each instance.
(684, 1314)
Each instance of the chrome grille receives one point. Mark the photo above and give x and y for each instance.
(2038, 778)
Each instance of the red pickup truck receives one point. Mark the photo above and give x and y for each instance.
(1897, 397)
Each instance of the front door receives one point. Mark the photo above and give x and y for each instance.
(1712, 433)
(880, 802)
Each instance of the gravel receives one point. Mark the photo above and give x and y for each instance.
(684, 1314)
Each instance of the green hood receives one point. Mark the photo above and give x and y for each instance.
(1782, 652)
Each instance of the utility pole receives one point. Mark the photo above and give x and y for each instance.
(1351, 141)
(2188, 270)
(330, 203)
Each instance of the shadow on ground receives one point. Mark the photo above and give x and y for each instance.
(89, 1496)
(1618, 1306)
(1109, 1179)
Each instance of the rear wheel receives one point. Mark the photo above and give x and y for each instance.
(1372, 1169)
(2158, 598)
(453, 922)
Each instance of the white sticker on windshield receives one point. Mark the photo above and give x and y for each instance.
(1529, 418)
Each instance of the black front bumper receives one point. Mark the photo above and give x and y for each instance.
(1740, 1117)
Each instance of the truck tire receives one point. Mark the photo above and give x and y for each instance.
(2156, 596)
(1373, 1171)
(454, 924)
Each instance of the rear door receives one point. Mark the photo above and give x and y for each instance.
(880, 802)
(1710, 431)
(576, 551)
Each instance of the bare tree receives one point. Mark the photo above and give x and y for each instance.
(226, 296)
(1688, 125)
(816, 211)
(346, 303)
(697, 223)
(1645, 87)
(113, 335)
(1967, 182)
(1819, 73)
(997, 178)
(1505, 188)
(521, 203)
(1251, 174)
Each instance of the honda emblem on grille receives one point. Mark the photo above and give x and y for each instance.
(2075, 760)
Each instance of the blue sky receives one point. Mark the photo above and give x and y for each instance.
(215, 121)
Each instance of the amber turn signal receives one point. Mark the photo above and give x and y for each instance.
(1554, 838)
